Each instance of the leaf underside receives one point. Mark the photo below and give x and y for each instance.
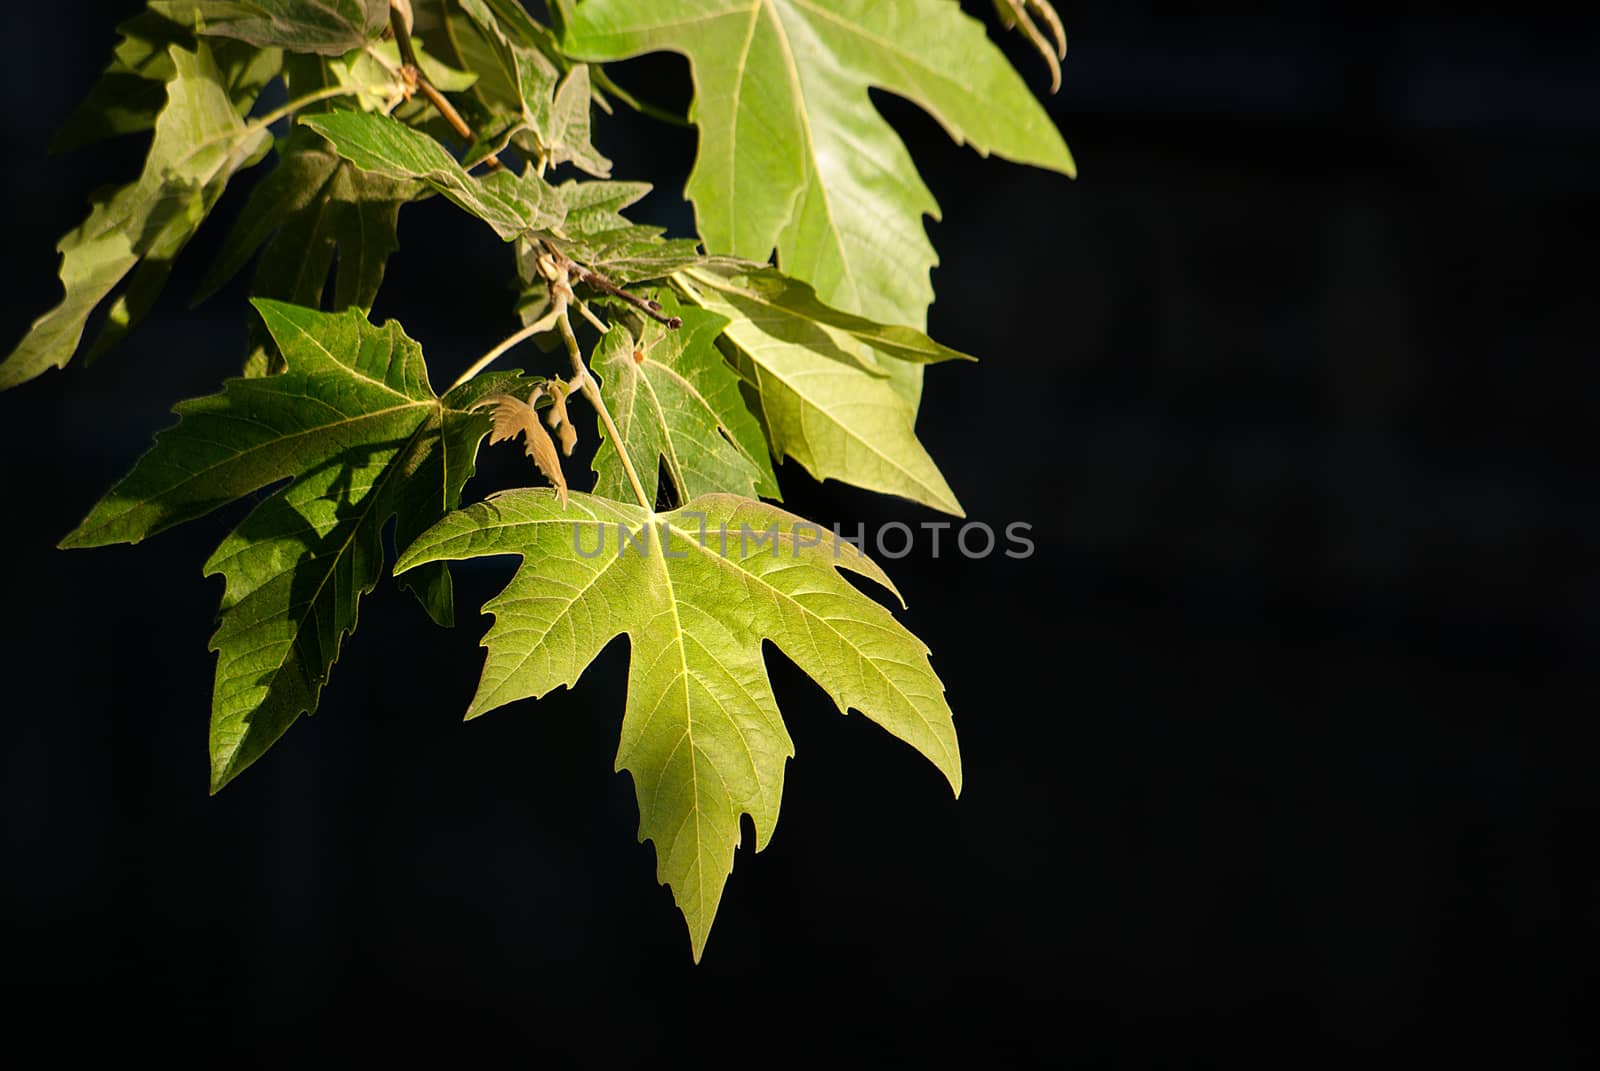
(511, 204)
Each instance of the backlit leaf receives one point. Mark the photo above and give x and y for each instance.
(824, 399)
(794, 157)
(696, 591)
(675, 399)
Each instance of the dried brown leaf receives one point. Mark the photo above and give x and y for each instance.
(559, 421)
(512, 417)
(1018, 15)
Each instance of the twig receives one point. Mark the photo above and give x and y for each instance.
(588, 314)
(589, 277)
(402, 37)
(408, 56)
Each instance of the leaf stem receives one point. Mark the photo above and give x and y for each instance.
(325, 93)
(643, 107)
(561, 295)
(595, 321)
(539, 326)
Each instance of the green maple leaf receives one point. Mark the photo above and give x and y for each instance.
(595, 207)
(199, 143)
(325, 27)
(773, 297)
(513, 205)
(597, 234)
(673, 397)
(567, 139)
(701, 735)
(546, 97)
(793, 156)
(133, 88)
(372, 73)
(356, 427)
(824, 398)
(516, 75)
(638, 254)
(312, 206)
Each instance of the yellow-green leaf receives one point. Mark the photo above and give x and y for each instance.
(794, 157)
(696, 591)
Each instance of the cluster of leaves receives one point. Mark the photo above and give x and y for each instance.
(790, 328)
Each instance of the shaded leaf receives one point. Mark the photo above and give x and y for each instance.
(354, 424)
(312, 208)
(701, 735)
(326, 27)
(133, 89)
(199, 143)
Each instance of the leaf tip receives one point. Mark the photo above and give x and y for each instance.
(222, 775)
(481, 704)
(698, 935)
(85, 537)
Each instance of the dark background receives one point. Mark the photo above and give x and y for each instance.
(1273, 750)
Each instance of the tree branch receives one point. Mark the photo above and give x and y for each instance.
(408, 56)
(590, 277)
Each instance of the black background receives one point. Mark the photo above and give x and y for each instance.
(1274, 749)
